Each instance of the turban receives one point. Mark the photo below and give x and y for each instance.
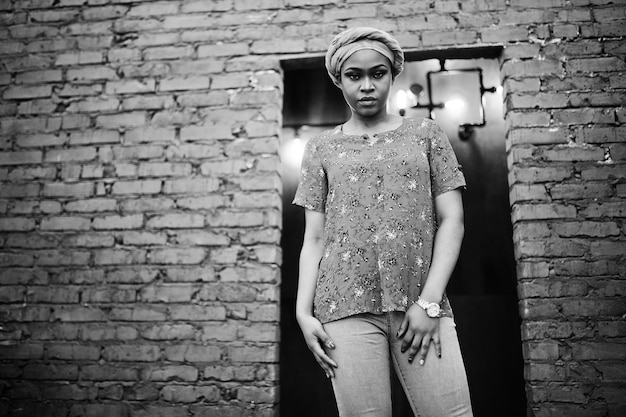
(349, 41)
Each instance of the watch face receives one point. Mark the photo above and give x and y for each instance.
(433, 310)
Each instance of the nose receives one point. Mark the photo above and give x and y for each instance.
(367, 84)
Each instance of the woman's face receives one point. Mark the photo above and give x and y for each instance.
(366, 82)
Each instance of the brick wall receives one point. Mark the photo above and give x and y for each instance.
(140, 195)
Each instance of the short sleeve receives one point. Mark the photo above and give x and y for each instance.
(313, 185)
(445, 171)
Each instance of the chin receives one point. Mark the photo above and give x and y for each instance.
(369, 112)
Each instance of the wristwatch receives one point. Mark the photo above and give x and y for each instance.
(432, 309)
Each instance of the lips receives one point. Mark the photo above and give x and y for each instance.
(368, 101)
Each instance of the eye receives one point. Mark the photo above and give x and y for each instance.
(379, 74)
(353, 76)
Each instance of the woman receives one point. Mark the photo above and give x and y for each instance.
(384, 225)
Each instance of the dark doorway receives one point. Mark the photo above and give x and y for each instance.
(483, 287)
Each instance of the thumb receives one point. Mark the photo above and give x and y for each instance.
(325, 339)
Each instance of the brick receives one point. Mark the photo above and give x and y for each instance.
(124, 153)
(149, 314)
(133, 353)
(144, 238)
(72, 352)
(167, 52)
(19, 190)
(114, 121)
(150, 134)
(93, 73)
(608, 209)
(70, 155)
(170, 373)
(286, 46)
(539, 100)
(168, 293)
(16, 259)
(182, 220)
(146, 204)
(190, 394)
(257, 394)
(89, 240)
(90, 105)
(184, 84)
(79, 277)
(192, 274)
(14, 224)
(193, 353)
(22, 351)
(170, 332)
(592, 308)
(583, 116)
(259, 332)
(164, 169)
(204, 132)
(109, 295)
(191, 186)
(263, 354)
(260, 146)
(118, 257)
(137, 187)
(134, 221)
(107, 372)
(130, 86)
(12, 276)
(173, 256)
(607, 248)
(197, 313)
(27, 92)
(200, 238)
(104, 12)
(148, 102)
(20, 158)
(37, 107)
(592, 65)
(65, 223)
(91, 205)
(78, 190)
(219, 331)
(51, 372)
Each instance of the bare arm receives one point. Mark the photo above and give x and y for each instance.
(447, 245)
(418, 330)
(310, 256)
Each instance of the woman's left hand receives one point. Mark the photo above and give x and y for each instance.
(418, 332)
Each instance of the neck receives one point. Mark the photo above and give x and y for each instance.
(373, 124)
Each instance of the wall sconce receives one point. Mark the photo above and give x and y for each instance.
(458, 92)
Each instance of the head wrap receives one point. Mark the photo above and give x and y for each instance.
(349, 41)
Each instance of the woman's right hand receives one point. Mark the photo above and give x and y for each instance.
(318, 341)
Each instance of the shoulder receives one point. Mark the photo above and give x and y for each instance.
(423, 123)
(324, 137)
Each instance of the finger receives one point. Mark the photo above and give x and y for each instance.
(407, 341)
(437, 344)
(414, 349)
(403, 327)
(325, 339)
(424, 350)
(325, 367)
(317, 350)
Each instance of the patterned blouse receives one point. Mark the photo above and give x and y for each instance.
(377, 195)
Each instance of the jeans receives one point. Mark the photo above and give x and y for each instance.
(366, 346)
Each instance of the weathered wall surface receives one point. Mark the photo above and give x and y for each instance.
(140, 195)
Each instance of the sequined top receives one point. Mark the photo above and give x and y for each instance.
(377, 195)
